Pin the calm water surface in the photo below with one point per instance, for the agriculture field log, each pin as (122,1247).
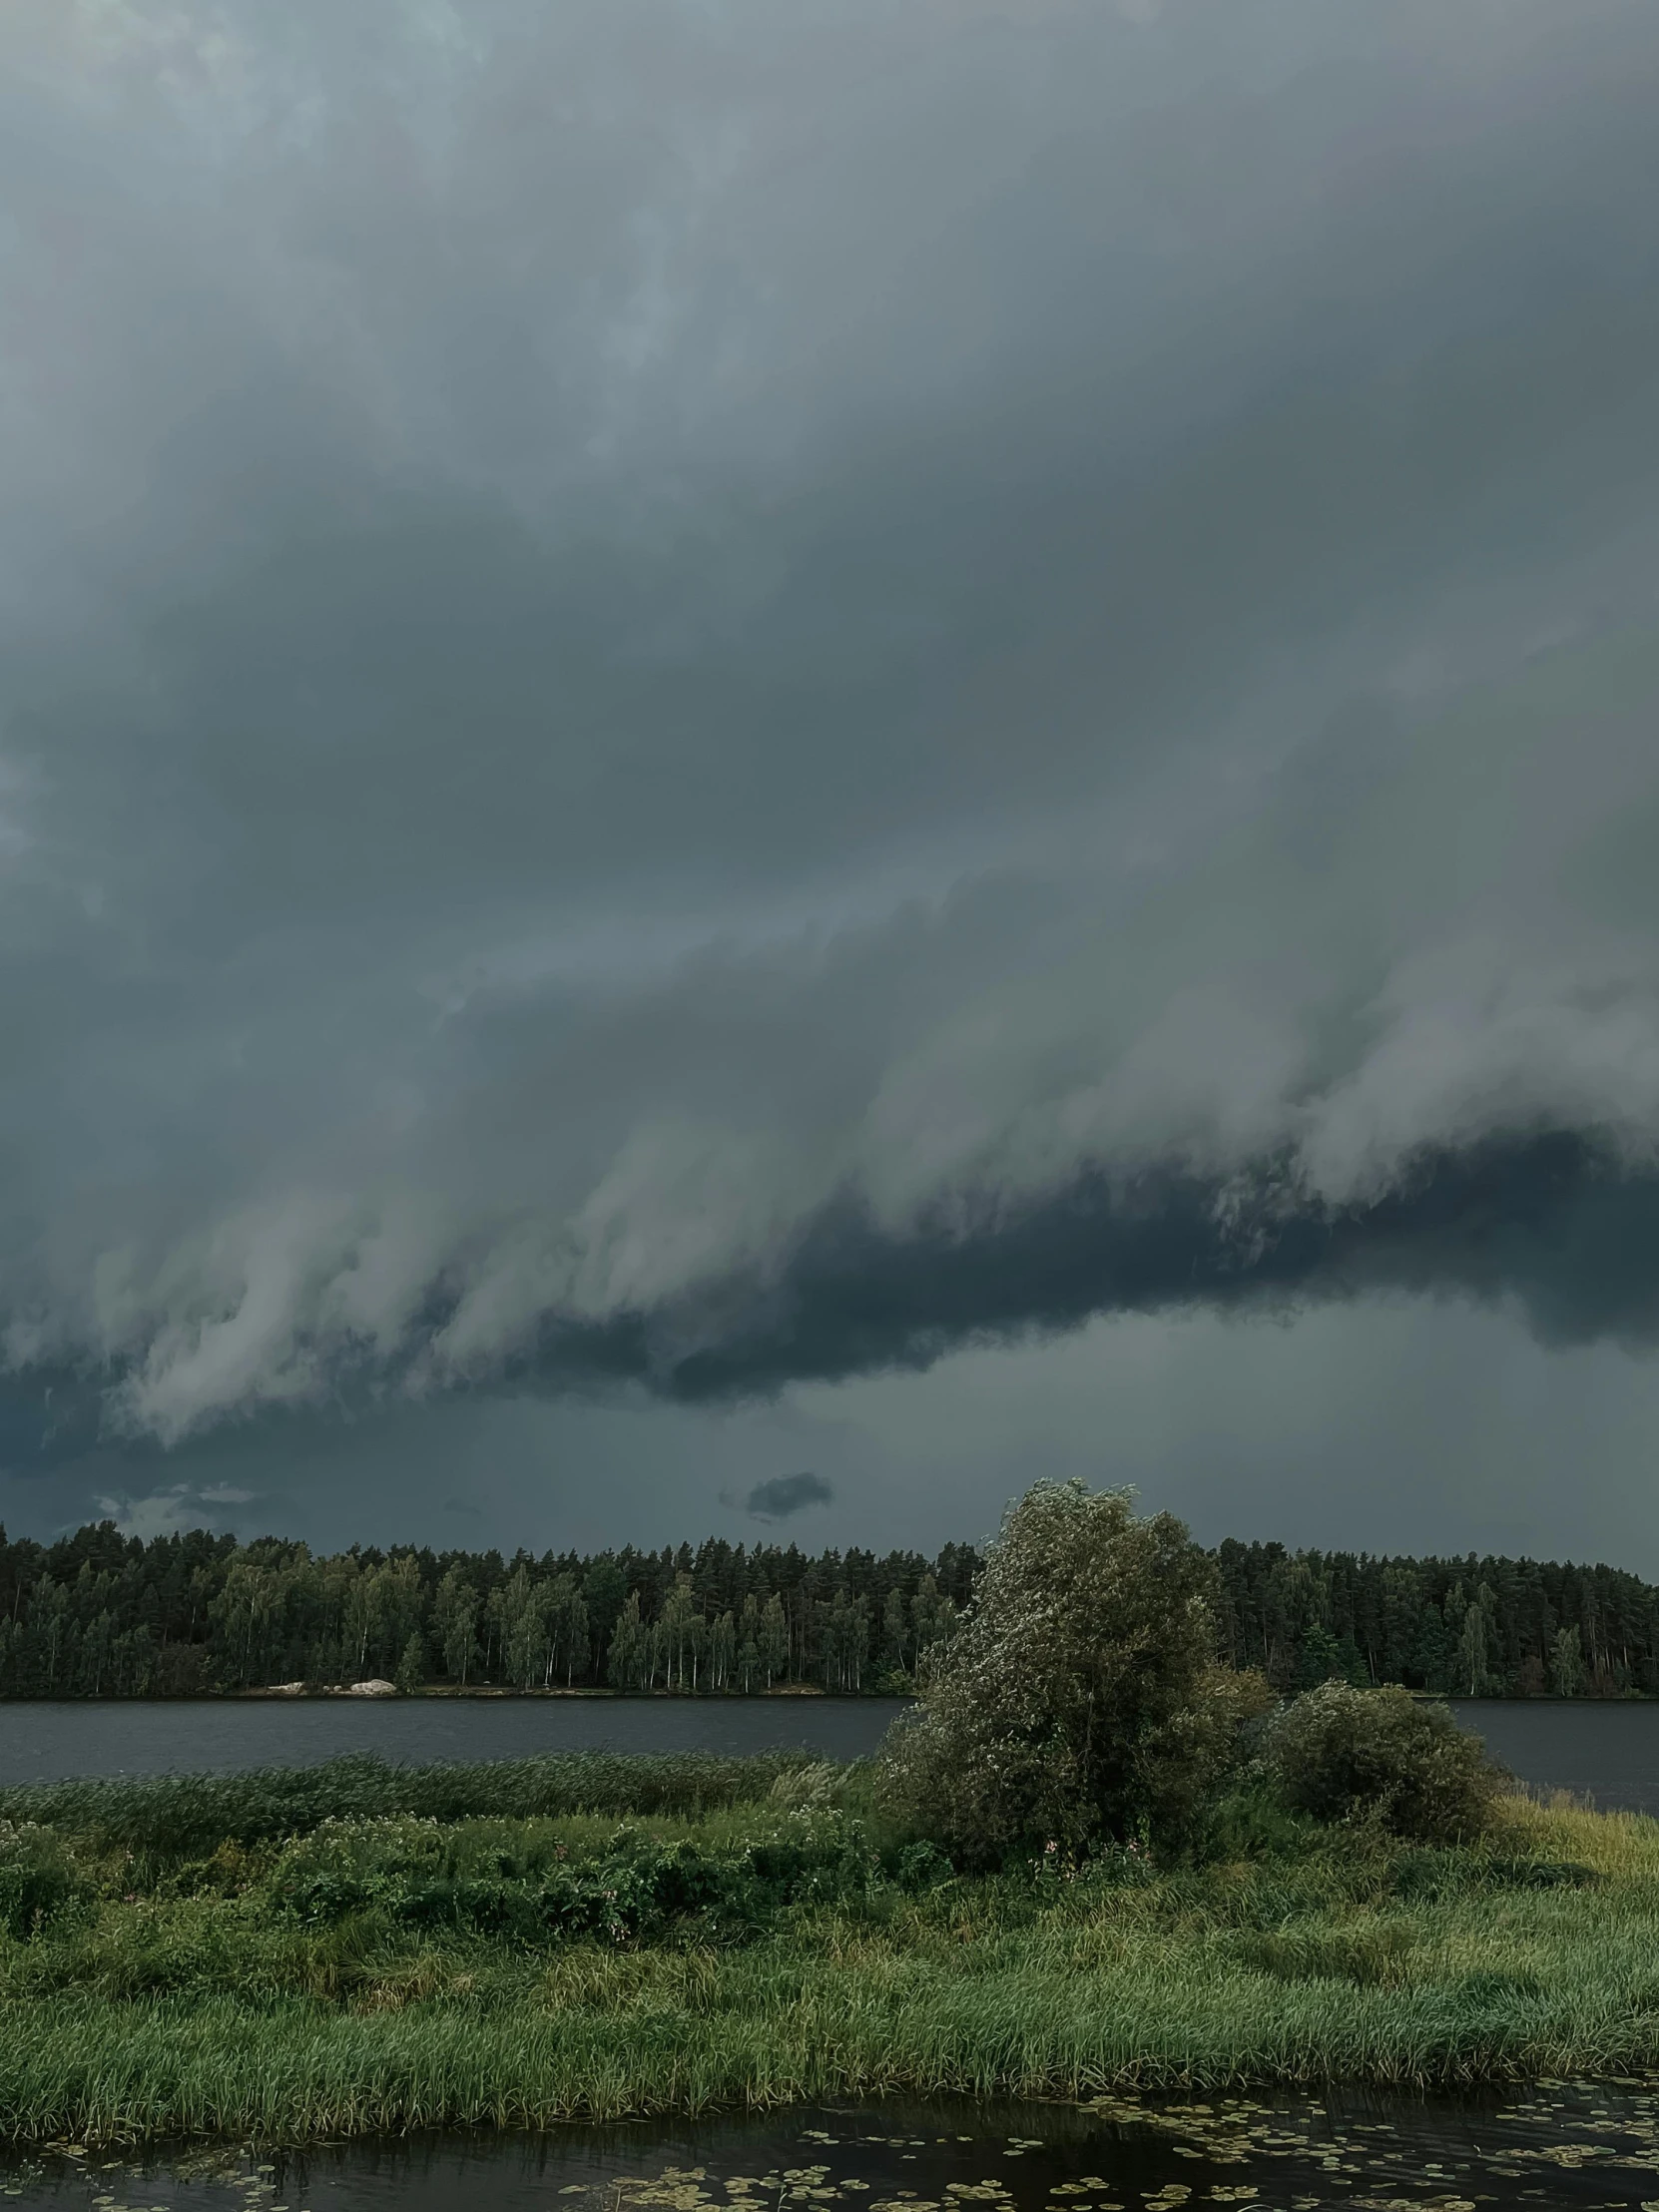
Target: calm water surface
(46,1742)
(1607,1751)
(1555,2144)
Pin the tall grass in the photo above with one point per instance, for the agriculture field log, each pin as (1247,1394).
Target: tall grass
(180,1814)
(215,2011)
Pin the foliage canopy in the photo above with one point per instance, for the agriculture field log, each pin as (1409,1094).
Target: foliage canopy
(1079,1701)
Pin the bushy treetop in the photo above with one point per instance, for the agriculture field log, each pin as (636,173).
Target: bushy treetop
(1079,1699)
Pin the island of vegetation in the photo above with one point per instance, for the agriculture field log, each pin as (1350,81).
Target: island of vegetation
(102,1614)
(1093,1859)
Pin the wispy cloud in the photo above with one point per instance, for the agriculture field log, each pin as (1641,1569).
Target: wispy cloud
(169,1511)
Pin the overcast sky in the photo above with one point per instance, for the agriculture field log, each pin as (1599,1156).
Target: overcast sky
(908,740)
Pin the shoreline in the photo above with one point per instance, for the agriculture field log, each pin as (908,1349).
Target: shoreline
(444,1692)
(488,1693)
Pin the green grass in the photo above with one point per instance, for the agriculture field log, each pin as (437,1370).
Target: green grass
(173,1813)
(391,1969)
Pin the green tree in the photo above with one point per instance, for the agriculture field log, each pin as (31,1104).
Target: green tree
(677,1631)
(1475,1639)
(1567,1662)
(933,1616)
(774,1640)
(604,1592)
(411,1666)
(722,1648)
(521,1606)
(1078,1700)
(52,1632)
(567,1624)
(895,1653)
(629,1647)
(455,1618)
(398,1605)
(1322,1657)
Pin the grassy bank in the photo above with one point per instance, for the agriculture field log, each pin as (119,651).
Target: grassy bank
(360,1948)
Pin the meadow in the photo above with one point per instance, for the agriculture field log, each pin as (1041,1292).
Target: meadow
(359,1948)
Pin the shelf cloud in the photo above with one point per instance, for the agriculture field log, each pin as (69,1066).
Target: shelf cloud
(696,702)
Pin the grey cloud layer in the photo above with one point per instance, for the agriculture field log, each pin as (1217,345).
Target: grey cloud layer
(707,697)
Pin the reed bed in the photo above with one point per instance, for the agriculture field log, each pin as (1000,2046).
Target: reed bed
(812,1962)
(178,1812)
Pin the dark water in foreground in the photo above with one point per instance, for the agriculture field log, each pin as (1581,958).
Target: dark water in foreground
(1555,2146)
(1609,1752)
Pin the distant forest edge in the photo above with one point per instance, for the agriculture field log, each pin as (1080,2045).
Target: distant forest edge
(100,1614)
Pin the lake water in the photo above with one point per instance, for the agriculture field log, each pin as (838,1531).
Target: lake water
(42,1742)
(1555,2144)
(1607,1751)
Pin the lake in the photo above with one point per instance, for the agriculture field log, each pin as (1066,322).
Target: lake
(1609,1752)
(48,1742)
(1555,2144)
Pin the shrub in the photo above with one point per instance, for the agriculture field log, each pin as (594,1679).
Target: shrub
(39,1879)
(1341,1753)
(633,1888)
(1078,1703)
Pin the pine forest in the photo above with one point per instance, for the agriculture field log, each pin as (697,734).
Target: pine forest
(103,1614)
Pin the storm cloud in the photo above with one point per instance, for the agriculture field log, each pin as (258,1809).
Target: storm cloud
(784,1494)
(705,699)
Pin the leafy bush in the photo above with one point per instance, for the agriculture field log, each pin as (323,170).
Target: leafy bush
(1341,1753)
(1079,1701)
(39,1879)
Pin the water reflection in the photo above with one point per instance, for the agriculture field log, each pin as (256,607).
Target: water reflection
(1559,2144)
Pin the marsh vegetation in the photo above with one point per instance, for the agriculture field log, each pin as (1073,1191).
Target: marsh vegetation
(1131,1870)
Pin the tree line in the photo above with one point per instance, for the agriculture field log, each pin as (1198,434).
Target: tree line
(100,1614)
(1470,1627)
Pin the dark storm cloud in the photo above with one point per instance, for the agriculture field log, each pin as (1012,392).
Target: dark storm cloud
(707,697)
(785,1495)
(1550,1221)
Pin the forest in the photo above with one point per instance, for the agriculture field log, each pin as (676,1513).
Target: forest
(103,1614)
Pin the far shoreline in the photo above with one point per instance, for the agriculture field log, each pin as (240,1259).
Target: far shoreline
(448,1693)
